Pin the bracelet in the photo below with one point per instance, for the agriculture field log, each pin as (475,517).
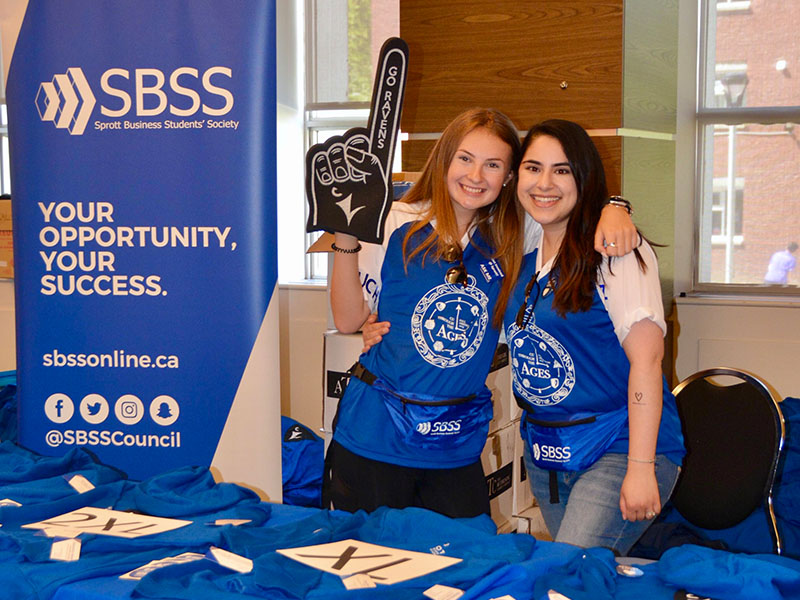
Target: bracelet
(641,460)
(336,248)
(622,203)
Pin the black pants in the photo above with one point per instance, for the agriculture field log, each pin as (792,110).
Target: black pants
(353,482)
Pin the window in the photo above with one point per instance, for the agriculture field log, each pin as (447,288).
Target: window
(748,142)
(344,38)
(721,210)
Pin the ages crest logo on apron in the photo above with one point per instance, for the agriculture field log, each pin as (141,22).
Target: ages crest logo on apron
(544,373)
(449,322)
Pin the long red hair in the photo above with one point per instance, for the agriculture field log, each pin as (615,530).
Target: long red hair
(500,223)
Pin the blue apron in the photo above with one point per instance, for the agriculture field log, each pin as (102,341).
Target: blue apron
(572,445)
(432,422)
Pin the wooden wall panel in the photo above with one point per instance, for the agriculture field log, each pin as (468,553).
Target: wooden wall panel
(415,153)
(513,56)
(610,149)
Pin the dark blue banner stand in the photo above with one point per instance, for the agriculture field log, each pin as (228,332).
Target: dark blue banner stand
(144,203)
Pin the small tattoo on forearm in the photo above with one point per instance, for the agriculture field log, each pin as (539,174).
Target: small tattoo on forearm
(638,396)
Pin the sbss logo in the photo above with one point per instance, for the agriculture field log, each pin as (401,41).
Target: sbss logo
(446,426)
(150,97)
(439,427)
(555,453)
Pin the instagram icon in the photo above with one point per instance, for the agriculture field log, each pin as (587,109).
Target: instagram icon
(128,409)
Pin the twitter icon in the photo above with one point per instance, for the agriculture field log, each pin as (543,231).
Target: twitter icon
(94,409)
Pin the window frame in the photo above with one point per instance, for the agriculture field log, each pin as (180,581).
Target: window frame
(721,183)
(321,116)
(730,117)
(340,119)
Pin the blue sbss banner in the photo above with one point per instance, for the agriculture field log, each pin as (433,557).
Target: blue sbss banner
(143,169)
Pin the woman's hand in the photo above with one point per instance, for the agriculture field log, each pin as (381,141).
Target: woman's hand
(373,331)
(616,234)
(639,499)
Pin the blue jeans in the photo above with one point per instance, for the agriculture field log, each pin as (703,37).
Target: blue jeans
(588,512)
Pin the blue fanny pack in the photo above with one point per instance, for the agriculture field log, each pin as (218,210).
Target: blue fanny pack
(572,445)
(433,422)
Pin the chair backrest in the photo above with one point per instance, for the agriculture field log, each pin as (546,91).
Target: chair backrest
(734,435)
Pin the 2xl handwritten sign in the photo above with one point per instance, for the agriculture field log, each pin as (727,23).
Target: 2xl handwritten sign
(349,177)
(102,521)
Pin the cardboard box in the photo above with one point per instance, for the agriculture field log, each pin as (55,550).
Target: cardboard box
(526,513)
(6,240)
(499,381)
(340,351)
(523,496)
(497,460)
(531,522)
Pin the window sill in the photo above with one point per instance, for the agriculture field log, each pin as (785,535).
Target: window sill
(739,299)
(304,284)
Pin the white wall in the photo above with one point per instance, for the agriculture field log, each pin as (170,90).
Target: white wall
(303,321)
(760,336)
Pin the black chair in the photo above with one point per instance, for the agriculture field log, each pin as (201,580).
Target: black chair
(734,435)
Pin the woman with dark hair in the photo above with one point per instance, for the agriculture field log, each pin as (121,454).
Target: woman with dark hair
(601,431)
(414,418)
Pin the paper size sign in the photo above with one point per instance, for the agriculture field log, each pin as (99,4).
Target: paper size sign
(384,565)
(102,521)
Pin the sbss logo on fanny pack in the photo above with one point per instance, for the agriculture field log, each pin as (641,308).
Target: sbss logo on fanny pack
(439,427)
(552,453)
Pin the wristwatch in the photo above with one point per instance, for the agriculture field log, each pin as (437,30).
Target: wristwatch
(621,202)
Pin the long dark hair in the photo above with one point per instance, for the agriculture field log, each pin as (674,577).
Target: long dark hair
(500,222)
(576,266)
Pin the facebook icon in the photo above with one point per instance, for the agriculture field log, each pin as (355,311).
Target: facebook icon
(59,408)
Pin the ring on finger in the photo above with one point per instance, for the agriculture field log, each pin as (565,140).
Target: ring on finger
(649,514)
